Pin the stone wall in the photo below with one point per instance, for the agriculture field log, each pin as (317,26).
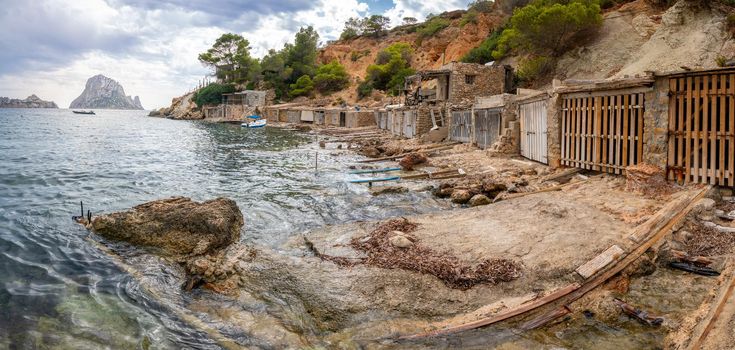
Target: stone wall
(487,80)
(553,115)
(357,119)
(656,124)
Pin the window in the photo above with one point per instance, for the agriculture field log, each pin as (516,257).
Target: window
(469,79)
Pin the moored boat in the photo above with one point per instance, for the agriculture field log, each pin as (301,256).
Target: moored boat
(257,122)
(84,112)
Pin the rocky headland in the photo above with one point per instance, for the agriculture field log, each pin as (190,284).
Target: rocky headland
(32,101)
(105,93)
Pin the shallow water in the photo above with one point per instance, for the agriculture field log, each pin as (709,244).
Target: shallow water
(59,291)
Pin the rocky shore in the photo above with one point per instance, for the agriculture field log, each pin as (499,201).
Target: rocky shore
(32,101)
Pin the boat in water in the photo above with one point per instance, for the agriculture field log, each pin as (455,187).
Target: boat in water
(256,122)
(84,112)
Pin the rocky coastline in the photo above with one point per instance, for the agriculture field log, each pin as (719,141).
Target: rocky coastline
(32,101)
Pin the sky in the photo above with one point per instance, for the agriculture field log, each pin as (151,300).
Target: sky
(51,47)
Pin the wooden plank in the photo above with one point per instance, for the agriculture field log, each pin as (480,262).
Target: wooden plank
(564,132)
(680,126)
(704,161)
(695,130)
(605,131)
(688,147)
(626,135)
(731,141)
(500,316)
(618,132)
(674,97)
(598,133)
(723,299)
(585,151)
(720,136)
(599,262)
(641,117)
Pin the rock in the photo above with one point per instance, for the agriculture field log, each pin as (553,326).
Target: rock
(370,152)
(376,191)
(490,186)
(32,101)
(444,191)
(726,192)
(703,205)
(392,150)
(399,240)
(322,144)
(461,196)
(682,236)
(175,227)
(479,199)
(411,160)
(103,92)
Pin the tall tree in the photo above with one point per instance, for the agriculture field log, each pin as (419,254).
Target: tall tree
(302,54)
(231,53)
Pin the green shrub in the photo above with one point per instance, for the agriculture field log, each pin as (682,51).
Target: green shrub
(302,87)
(484,53)
(331,77)
(549,28)
(391,67)
(534,67)
(481,6)
(212,94)
(357,55)
(364,89)
(469,17)
(431,27)
(721,60)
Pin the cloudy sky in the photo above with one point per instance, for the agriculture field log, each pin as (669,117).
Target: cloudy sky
(50,47)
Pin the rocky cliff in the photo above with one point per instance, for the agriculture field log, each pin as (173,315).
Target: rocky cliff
(30,102)
(103,92)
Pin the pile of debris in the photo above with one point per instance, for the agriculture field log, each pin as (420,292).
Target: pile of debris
(392,246)
(649,181)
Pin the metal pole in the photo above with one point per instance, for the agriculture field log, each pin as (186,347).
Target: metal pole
(316,161)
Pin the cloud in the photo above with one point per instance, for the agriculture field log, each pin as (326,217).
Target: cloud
(51,47)
(419,9)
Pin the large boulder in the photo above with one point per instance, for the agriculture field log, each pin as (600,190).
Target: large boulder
(411,160)
(175,227)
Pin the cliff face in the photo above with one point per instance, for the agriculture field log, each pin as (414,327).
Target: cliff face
(449,44)
(103,92)
(30,102)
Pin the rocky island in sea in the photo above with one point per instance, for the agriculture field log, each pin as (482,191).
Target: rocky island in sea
(103,92)
(32,101)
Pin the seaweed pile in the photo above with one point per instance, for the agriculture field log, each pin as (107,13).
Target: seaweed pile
(707,241)
(381,252)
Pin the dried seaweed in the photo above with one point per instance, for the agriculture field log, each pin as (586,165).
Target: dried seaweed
(648,180)
(707,241)
(419,258)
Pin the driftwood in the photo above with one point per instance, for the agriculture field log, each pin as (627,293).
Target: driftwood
(394,157)
(501,316)
(569,173)
(546,318)
(640,315)
(724,298)
(518,195)
(696,260)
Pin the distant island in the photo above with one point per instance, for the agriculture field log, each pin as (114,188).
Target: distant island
(105,93)
(32,101)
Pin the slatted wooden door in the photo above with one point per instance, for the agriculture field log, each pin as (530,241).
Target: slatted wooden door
(534,130)
(702,129)
(461,126)
(487,127)
(603,133)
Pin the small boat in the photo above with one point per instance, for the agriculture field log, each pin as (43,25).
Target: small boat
(256,123)
(84,112)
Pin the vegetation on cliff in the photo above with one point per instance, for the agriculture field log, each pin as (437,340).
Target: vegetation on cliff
(391,67)
(212,94)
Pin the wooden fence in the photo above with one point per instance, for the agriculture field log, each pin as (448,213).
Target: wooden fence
(604,132)
(702,129)
(460,126)
(487,127)
(534,130)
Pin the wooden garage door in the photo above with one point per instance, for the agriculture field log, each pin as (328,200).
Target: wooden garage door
(702,129)
(534,130)
(603,133)
(487,127)
(461,126)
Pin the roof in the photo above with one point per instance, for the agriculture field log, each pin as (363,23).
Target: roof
(700,71)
